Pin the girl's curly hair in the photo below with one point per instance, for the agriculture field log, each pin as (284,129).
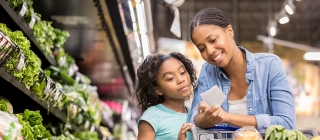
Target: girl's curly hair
(146,76)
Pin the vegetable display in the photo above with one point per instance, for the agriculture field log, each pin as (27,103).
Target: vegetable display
(277,132)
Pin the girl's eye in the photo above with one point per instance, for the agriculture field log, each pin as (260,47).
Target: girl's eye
(170,79)
(183,73)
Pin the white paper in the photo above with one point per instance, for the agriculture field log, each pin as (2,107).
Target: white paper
(213,96)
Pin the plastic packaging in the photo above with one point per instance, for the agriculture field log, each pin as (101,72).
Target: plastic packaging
(247,133)
(9,127)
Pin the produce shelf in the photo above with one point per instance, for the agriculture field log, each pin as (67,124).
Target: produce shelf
(10,86)
(10,79)
(9,17)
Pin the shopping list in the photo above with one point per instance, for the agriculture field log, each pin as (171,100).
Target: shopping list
(213,96)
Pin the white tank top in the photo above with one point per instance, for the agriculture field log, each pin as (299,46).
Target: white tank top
(238,106)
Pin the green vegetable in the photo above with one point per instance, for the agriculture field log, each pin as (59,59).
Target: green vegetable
(28,74)
(5,105)
(87,135)
(32,126)
(277,132)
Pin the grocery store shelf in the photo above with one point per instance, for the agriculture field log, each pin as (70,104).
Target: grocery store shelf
(55,111)
(20,102)
(9,17)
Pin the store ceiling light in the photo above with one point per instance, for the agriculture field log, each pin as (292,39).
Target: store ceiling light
(289,9)
(284,20)
(282,17)
(312,56)
(272,28)
(273,31)
(289,6)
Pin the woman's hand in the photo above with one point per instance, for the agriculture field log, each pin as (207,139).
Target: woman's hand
(215,115)
(182,133)
(202,107)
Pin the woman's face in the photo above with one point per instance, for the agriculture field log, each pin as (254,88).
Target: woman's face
(173,80)
(215,44)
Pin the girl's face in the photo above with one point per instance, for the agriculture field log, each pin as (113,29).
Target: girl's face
(215,44)
(173,80)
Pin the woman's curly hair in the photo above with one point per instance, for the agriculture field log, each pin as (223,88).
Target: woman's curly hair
(146,78)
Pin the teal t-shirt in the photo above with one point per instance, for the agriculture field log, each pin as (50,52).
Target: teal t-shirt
(165,122)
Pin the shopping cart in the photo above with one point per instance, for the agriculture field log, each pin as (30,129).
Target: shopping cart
(203,134)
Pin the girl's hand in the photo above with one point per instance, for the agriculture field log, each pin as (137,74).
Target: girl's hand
(215,114)
(202,107)
(185,127)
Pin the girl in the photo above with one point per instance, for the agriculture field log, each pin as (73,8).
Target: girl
(164,83)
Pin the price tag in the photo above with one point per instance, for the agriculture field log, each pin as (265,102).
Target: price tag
(33,20)
(47,89)
(86,125)
(92,129)
(62,60)
(21,62)
(57,94)
(23,9)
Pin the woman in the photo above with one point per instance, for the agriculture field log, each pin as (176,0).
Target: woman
(258,93)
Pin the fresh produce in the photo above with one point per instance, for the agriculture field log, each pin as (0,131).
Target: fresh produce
(247,133)
(39,86)
(5,105)
(9,127)
(316,138)
(30,62)
(277,132)
(87,135)
(32,126)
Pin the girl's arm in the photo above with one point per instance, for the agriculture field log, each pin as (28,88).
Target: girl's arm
(146,131)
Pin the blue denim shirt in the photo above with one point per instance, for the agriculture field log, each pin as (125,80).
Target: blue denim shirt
(269,97)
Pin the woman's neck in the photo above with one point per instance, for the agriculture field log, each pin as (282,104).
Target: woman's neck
(237,65)
(177,106)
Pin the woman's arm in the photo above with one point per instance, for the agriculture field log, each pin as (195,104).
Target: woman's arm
(216,115)
(281,99)
(146,131)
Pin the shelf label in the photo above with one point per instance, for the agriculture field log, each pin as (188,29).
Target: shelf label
(23,9)
(62,60)
(57,94)
(21,62)
(47,89)
(92,129)
(33,20)
(86,125)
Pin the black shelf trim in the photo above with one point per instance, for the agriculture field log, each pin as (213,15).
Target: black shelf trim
(22,26)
